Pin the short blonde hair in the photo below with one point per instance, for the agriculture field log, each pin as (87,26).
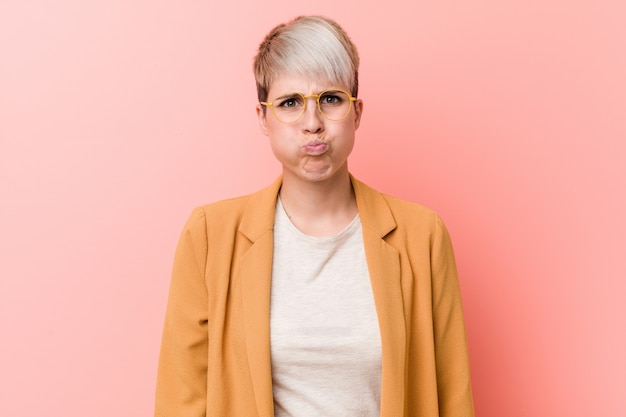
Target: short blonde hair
(308,45)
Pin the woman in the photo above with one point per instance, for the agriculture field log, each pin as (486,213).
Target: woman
(317,296)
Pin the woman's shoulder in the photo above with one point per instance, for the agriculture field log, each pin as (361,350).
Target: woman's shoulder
(411,208)
(400,208)
(415,218)
(226,206)
(231,212)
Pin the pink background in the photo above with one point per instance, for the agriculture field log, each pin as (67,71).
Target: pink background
(118,117)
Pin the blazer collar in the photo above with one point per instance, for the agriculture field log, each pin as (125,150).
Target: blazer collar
(373,210)
(258,218)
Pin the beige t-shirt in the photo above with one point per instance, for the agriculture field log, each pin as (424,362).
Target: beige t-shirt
(325,339)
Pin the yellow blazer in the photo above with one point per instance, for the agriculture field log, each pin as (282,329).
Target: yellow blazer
(215,353)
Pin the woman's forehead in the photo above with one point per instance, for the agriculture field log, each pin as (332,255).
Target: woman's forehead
(306,84)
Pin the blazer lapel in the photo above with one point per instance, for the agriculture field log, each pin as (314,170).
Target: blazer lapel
(255,279)
(383,262)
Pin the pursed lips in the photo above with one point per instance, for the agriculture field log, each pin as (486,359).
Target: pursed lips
(315,147)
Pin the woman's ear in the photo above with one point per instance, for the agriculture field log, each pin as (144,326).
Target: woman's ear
(358,110)
(261,114)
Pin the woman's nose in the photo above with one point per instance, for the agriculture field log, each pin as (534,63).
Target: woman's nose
(312,119)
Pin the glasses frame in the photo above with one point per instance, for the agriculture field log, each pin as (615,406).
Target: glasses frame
(317,100)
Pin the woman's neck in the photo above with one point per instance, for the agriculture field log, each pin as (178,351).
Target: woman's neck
(319,208)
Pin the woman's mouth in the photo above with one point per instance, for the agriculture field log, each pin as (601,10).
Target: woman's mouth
(315,148)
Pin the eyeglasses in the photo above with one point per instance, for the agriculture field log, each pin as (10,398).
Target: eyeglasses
(333,105)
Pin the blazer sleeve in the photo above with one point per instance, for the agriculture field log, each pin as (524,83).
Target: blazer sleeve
(451,354)
(182,371)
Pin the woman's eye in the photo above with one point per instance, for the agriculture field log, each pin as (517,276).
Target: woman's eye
(330,99)
(290,103)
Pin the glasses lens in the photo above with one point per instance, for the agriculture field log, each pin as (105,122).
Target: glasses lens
(334,104)
(289,108)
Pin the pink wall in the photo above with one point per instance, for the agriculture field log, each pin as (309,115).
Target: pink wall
(118,117)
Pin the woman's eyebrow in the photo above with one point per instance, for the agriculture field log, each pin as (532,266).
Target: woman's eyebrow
(288,95)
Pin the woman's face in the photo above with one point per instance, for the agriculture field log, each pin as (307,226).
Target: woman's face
(313,148)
